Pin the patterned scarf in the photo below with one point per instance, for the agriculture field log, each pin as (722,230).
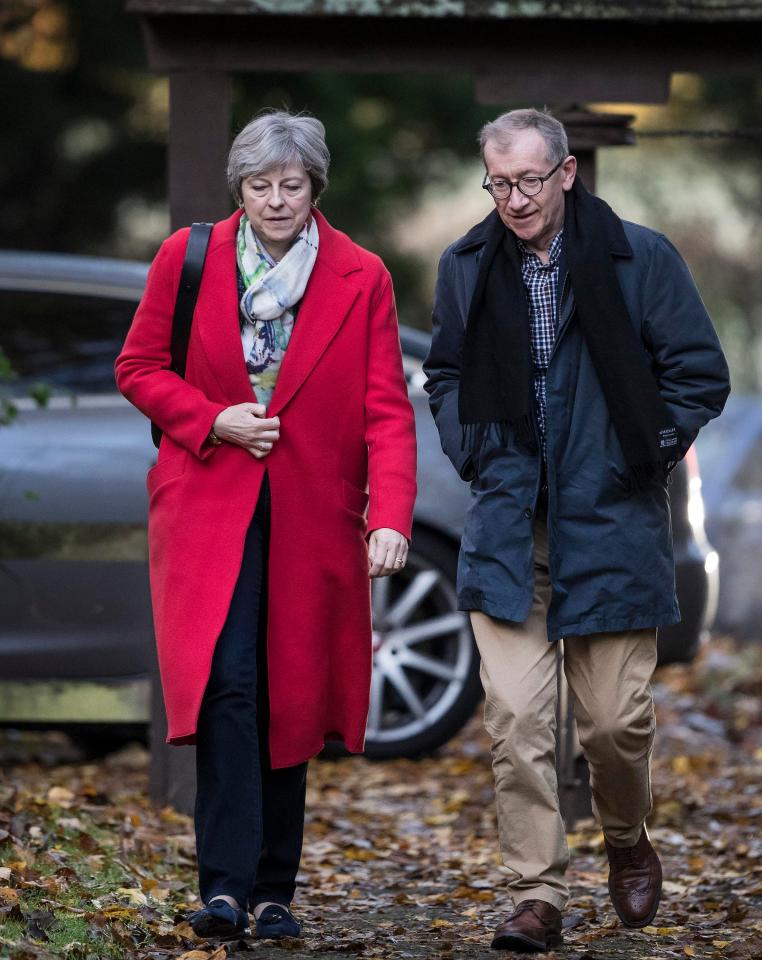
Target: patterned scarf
(271,291)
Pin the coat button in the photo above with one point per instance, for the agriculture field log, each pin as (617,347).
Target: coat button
(528,513)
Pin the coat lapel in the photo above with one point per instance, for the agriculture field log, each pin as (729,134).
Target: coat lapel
(216,314)
(331,291)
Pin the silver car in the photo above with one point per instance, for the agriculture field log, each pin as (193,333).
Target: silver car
(76,637)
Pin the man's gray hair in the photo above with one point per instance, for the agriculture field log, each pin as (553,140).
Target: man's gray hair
(501,131)
(277,139)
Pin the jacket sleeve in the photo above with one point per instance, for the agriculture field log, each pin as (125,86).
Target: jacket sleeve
(389,420)
(181,410)
(442,367)
(689,363)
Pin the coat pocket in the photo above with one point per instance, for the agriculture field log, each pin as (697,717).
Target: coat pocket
(165,470)
(354,498)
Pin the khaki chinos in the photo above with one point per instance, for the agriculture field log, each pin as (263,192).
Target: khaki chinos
(609,676)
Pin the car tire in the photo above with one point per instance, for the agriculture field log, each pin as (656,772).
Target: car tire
(425,665)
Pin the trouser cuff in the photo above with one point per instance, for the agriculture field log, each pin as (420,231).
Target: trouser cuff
(540,892)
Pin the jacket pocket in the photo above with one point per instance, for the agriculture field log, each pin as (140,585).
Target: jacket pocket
(164,470)
(354,498)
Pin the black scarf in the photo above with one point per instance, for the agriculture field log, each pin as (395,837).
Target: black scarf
(496,374)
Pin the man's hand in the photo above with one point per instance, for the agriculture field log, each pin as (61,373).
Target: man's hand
(387,552)
(245,425)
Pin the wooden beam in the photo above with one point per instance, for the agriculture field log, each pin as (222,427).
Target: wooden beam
(511,61)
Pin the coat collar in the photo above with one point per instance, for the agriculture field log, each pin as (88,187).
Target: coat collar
(476,237)
(331,292)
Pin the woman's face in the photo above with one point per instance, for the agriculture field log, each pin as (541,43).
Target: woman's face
(277,204)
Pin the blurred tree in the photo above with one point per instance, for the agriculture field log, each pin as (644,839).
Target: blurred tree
(74,81)
(83,169)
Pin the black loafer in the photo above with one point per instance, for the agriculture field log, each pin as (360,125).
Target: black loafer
(219,921)
(277,921)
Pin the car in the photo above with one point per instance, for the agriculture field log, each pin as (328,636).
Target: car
(76,636)
(731,459)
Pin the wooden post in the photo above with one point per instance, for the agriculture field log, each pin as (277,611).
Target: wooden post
(199,138)
(588,131)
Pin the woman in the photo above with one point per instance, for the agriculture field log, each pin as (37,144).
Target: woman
(293,402)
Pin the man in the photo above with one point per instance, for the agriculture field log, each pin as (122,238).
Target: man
(572,364)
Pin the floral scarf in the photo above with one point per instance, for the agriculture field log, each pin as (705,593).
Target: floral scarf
(270,292)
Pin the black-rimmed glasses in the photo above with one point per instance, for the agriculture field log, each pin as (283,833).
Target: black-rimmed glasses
(500,189)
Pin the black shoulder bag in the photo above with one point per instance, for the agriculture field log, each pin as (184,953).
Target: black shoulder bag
(185,304)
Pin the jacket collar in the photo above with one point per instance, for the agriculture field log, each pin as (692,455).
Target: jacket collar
(476,237)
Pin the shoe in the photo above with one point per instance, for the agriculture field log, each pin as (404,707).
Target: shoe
(635,881)
(533,927)
(277,921)
(219,921)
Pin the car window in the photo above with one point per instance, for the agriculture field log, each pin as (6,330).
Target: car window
(67,341)
(749,475)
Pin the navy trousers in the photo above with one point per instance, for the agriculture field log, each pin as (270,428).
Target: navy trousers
(249,818)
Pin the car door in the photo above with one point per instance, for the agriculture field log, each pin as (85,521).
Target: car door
(74,598)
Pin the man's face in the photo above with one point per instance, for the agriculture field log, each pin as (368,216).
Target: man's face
(535,220)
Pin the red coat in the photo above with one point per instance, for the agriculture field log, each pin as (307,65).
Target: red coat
(346,426)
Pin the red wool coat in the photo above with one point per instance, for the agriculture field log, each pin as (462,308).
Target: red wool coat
(346,427)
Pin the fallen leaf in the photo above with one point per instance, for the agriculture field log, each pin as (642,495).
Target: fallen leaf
(133,895)
(60,797)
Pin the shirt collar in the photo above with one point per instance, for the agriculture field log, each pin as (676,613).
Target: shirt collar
(554,252)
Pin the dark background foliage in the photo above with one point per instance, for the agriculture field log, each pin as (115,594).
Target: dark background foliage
(82,159)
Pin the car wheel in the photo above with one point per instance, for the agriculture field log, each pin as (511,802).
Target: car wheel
(425,683)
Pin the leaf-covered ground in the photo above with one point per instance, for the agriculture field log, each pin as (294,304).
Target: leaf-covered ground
(400,858)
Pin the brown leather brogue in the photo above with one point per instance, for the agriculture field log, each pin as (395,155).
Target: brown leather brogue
(634,881)
(533,927)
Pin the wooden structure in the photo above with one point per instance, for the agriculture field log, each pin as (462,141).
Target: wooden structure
(518,51)
(528,52)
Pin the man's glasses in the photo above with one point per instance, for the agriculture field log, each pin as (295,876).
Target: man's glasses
(500,189)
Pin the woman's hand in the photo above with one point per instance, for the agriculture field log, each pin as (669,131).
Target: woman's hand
(387,552)
(245,425)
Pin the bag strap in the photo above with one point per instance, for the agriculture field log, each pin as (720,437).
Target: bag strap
(185,304)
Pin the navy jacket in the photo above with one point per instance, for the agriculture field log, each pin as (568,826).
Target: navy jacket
(610,544)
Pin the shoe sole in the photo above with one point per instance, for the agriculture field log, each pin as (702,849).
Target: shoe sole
(521,944)
(277,934)
(214,930)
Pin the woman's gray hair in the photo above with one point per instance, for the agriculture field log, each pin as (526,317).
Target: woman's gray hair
(552,131)
(277,139)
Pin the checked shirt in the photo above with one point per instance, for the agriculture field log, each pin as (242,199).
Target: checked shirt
(541,282)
